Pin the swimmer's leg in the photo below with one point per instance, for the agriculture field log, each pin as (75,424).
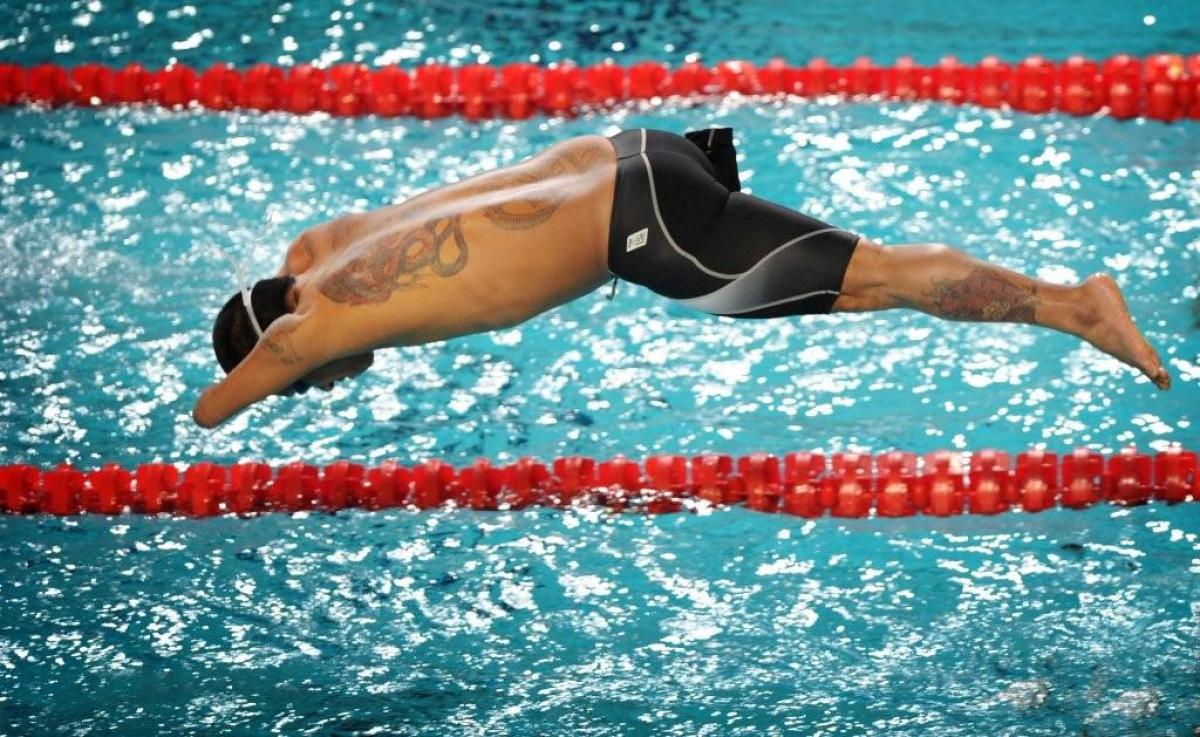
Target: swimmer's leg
(948,283)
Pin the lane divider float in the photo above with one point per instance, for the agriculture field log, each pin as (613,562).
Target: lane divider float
(804,484)
(1164,87)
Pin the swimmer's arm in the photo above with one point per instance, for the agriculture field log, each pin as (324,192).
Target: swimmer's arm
(289,350)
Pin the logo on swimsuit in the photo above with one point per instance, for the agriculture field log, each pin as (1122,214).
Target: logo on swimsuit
(637,240)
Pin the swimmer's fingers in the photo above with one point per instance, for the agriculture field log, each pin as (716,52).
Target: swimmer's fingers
(289,350)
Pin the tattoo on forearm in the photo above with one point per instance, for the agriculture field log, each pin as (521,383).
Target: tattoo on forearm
(280,345)
(984,295)
(523,214)
(437,246)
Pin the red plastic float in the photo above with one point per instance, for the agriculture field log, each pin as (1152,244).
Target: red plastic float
(1035,486)
(525,484)
(1123,86)
(341,485)
(620,479)
(990,488)
(575,479)
(779,77)
(1127,478)
(174,87)
(220,86)
(1033,89)
(477,89)
(108,490)
(433,91)
(853,485)
(261,88)
(518,90)
(951,81)
(294,488)
(1082,478)
(1081,88)
(849,492)
(993,78)
(62,491)
(802,474)
(1175,475)
(864,78)
(248,484)
(711,478)
(1166,90)
(349,88)
(306,89)
(560,85)
(387,486)
(1191,87)
(603,84)
(896,484)
(667,482)
(13,84)
(905,80)
(91,84)
(48,84)
(480,485)
(389,92)
(1164,87)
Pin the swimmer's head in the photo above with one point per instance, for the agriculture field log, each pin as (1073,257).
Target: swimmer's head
(233,334)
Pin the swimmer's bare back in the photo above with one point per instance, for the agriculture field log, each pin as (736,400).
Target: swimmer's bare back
(478,255)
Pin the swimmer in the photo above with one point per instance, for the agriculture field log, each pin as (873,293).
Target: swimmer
(650,207)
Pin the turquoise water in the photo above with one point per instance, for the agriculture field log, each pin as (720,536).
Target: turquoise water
(111,281)
(584,623)
(578,622)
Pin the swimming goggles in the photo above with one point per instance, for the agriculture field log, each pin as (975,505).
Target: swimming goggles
(240,270)
(298,387)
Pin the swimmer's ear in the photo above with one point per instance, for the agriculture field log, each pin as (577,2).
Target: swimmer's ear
(289,349)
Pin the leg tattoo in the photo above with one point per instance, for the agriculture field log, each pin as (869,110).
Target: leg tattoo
(984,295)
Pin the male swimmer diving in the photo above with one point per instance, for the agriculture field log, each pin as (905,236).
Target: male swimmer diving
(647,206)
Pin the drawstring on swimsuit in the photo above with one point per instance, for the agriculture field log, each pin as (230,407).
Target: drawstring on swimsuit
(613,292)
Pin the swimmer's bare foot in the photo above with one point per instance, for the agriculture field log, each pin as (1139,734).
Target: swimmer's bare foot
(1106,324)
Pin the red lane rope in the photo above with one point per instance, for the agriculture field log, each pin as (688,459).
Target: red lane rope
(891,484)
(1162,86)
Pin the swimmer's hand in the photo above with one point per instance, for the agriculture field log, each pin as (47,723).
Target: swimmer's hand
(288,351)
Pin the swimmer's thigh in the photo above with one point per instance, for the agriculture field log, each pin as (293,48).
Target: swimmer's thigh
(787,263)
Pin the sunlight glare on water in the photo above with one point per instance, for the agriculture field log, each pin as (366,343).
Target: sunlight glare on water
(581,622)
(113,275)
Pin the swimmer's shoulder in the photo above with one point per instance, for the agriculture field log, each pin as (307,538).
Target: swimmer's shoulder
(317,244)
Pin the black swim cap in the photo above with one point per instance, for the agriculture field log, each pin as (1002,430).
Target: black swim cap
(233,334)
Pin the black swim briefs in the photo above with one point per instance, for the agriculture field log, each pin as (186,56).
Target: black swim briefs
(680,228)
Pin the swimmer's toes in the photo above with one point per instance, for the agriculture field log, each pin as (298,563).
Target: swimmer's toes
(1147,361)
(1154,368)
(1162,379)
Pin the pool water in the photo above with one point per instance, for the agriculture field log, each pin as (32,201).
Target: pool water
(586,623)
(580,622)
